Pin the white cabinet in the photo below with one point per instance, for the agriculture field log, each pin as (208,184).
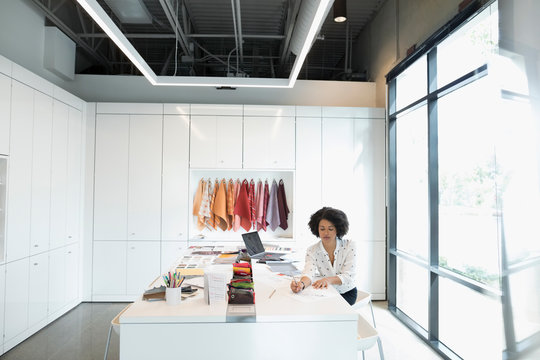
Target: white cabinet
(111,177)
(308,175)
(74,183)
(71,274)
(3,194)
(16,308)
(57,286)
(142,265)
(127,198)
(269,142)
(174,197)
(20,172)
(41,174)
(2,303)
(59,174)
(170,252)
(109,268)
(369,179)
(5,113)
(338,164)
(144,181)
(216,141)
(38,292)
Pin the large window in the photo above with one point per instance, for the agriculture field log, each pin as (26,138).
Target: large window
(464,196)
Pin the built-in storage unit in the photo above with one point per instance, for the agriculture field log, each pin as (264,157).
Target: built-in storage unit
(42,139)
(325,157)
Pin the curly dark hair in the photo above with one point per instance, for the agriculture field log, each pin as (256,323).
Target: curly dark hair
(335,216)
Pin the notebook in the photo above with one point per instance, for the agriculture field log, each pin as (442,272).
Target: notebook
(255,247)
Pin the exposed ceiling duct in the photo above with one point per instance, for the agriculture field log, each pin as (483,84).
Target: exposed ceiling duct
(303,22)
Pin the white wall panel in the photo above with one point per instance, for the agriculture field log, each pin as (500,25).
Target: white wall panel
(5,113)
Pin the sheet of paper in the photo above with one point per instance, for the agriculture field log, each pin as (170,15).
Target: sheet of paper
(311,294)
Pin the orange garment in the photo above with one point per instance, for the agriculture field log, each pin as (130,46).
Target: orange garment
(242,212)
(230,204)
(197,199)
(220,206)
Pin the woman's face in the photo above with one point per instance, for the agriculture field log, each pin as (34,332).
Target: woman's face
(327,231)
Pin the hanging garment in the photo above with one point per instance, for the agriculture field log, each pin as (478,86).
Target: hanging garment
(265,205)
(212,220)
(220,206)
(251,202)
(230,204)
(241,209)
(204,210)
(197,200)
(237,187)
(272,214)
(282,206)
(259,203)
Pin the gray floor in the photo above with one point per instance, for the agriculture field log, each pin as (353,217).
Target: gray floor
(81,334)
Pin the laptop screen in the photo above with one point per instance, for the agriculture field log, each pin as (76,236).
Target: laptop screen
(253,243)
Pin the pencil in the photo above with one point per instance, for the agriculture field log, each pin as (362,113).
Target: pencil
(272,293)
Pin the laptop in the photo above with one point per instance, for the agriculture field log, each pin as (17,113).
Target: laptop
(255,247)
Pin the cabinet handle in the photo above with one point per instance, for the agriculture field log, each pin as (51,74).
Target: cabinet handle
(36,245)
(69,252)
(133,248)
(221,161)
(275,161)
(132,233)
(69,237)
(36,264)
(179,234)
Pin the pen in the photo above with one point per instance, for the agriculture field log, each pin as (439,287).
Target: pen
(272,293)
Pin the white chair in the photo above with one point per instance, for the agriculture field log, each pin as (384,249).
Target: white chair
(367,334)
(115,325)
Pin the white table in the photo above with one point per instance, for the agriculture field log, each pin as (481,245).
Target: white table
(285,327)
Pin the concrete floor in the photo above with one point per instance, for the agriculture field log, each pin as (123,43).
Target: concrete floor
(81,334)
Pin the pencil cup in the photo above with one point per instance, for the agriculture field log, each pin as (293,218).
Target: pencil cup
(173,296)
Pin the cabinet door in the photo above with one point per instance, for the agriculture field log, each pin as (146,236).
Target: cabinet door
(41,174)
(16,313)
(142,265)
(269,142)
(109,268)
(74,175)
(38,292)
(216,142)
(369,179)
(2,303)
(170,252)
(20,172)
(71,278)
(111,177)
(57,286)
(5,113)
(59,174)
(174,198)
(337,164)
(144,184)
(308,175)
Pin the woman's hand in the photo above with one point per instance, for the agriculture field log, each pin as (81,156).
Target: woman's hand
(296,286)
(321,283)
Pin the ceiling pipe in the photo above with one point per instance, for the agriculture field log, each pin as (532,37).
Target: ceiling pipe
(239,31)
(173,21)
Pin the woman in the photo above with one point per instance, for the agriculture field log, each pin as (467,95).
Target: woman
(333,257)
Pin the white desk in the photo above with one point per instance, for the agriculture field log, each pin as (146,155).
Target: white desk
(285,327)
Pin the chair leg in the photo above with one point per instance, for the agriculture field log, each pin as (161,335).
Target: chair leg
(379,343)
(372,315)
(108,342)
(363,355)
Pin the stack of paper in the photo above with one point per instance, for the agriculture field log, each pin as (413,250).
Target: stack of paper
(215,286)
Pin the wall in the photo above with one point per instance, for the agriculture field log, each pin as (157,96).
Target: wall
(23,18)
(399,25)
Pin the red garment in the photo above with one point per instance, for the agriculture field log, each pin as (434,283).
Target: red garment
(282,206)
(251,202)
(265,206)
(241,209)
